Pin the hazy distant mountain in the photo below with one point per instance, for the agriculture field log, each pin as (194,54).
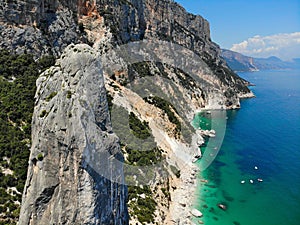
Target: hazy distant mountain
(240,62)
(237,61)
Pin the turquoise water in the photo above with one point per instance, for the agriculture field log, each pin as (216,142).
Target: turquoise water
(265,133)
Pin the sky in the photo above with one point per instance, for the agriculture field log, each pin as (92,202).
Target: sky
(258,28)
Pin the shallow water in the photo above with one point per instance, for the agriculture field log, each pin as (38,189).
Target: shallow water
(264,133)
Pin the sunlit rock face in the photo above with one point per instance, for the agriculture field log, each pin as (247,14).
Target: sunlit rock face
(70,178)
(71,127)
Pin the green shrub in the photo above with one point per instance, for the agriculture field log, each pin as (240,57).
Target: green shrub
(141,68)
(69,94)
(52,95)
(17,103)
(46,62)
(143,158)
(168,108)
(40,156)
(166,192)
(142,208)
(43,113)
(139,129)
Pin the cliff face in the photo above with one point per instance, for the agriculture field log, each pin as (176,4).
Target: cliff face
(48,26)
(72,136)
(71,126)
(38,26)
(168,21)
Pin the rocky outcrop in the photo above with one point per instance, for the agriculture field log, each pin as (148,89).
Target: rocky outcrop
(73,142)
(39,26)
(168,21)
(177,79)
(71,177)
(48,26)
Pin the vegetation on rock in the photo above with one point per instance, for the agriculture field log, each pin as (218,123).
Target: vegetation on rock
(18,74)
(140,151)
(167,108)
(139,129)
(141,204)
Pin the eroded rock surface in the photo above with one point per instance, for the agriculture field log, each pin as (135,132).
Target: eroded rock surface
(71,126)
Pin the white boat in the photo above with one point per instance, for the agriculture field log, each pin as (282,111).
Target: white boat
(212,135)
(222,206)
(195,160)
(196,213)
(199,153)
(260,180)
(242,182)
(251,181)
(196,157)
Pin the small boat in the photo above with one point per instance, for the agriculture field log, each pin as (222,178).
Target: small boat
(251,181)
(204,181)
(260,180)
(195,160)
(196,213)
(255,167)
(242,182)
(222,206)
(197,156)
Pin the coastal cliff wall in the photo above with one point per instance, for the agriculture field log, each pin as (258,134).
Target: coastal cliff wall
(71,115)
(48,26)
(39,26)
(70,126)
(168,21)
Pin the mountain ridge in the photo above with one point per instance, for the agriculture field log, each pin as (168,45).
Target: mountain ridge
(239,62)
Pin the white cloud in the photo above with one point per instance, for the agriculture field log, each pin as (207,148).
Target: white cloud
(285,46)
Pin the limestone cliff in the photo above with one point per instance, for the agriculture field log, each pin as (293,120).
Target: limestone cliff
(71,125)
(39,26)
(48,26)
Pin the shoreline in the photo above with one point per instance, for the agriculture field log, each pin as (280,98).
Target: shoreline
(246,201)
(216,131)
(183,196)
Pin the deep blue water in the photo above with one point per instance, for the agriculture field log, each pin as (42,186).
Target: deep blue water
(264,133)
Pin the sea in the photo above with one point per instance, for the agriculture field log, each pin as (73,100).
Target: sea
(261,141)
